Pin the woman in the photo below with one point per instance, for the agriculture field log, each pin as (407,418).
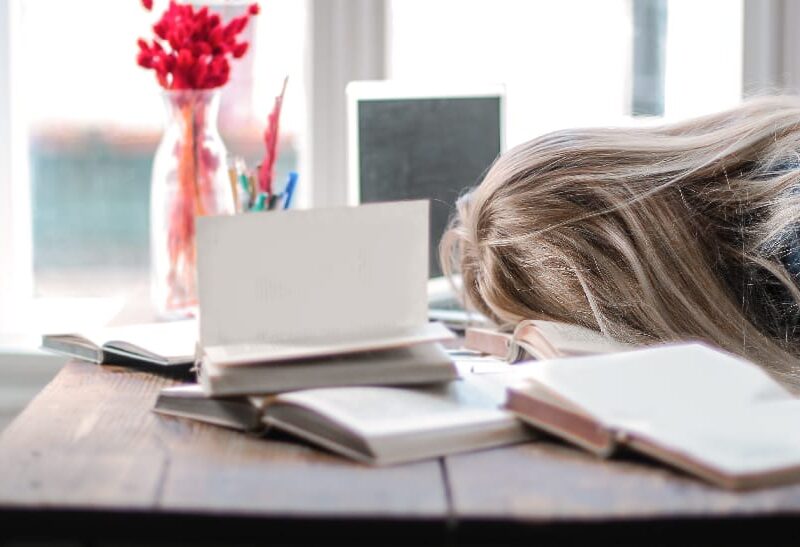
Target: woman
(685,231)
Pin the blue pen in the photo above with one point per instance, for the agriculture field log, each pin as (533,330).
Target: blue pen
(289,191)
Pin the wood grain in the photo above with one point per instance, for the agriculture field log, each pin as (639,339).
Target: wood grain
(90,440)
(551,482)
(89,443)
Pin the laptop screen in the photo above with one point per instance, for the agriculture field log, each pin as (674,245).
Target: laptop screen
(426,148)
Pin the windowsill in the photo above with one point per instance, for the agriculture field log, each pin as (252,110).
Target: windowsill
(41,315)
(24,355)
(21,333)
(23,322)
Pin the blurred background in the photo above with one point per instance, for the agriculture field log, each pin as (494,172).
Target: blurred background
(80,121)
(90,119)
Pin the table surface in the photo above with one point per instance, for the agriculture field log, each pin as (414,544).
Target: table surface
(89,457)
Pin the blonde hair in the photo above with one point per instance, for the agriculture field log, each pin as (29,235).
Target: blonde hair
(647,234)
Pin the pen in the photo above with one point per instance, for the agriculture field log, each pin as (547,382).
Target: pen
(289,191)
(247,197)
(259,202)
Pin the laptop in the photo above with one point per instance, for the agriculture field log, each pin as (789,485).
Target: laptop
(419,141)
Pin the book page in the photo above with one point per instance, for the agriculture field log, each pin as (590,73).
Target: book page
(317,275)
(551,339)
(257,354)
(750,439)
(184,391)
(167,339)
(387,411)
(669,382)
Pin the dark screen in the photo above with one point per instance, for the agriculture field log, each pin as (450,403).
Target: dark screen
(426,149)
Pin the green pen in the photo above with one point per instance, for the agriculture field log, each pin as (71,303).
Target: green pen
(248,196)
(261,199)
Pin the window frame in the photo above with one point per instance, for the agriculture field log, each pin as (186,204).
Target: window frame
(348,42)
(16,253)
(770,55)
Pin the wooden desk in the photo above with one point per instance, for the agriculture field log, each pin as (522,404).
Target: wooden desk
(89,461)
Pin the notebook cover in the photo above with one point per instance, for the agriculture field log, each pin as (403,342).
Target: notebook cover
(574,427)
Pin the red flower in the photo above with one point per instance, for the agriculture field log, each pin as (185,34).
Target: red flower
(192,48)
(148,4)
(239,50)
(143,59)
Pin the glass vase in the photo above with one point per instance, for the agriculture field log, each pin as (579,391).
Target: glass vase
(190,179)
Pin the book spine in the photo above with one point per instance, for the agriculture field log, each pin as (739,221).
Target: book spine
(494,343)
(574,428)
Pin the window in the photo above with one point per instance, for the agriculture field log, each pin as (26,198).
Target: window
(574,62)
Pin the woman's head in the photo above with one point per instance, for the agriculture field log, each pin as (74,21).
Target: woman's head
(654,234)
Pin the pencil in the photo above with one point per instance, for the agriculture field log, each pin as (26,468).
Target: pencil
(232,176)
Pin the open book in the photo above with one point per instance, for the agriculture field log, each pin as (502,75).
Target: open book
(538,339)
(160,347)
(378,425)
(695,408)
(340,298)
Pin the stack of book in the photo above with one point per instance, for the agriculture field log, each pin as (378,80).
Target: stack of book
(323,333)
(315,323)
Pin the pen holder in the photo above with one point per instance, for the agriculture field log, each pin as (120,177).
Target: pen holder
(190,179)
